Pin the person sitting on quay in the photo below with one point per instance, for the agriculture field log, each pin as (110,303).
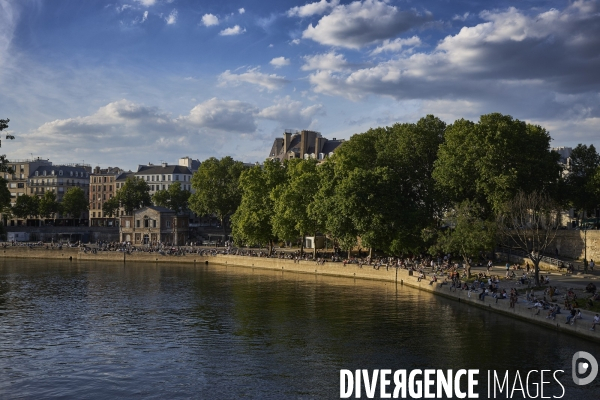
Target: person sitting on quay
(433,279)
(595,322)
(571,315)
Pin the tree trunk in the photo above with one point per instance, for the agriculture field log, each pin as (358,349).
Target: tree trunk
(302,246)
(270,247)
(468,265)
(536,268)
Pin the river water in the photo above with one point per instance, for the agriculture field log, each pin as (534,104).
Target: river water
(108,330)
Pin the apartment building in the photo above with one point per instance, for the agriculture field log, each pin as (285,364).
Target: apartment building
(103,186)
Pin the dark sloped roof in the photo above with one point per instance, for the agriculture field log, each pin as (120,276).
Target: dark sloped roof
(64,168)
(123,176)
(330,146)
(158,208)
(159,169)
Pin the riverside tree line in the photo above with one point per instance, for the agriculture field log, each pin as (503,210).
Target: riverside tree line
(410,188)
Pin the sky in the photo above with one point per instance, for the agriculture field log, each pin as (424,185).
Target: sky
(128,82)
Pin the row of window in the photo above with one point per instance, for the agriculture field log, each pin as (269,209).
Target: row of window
(60,173)
(101,179)
(101,188)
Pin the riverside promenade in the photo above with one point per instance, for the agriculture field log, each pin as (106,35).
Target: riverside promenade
(523,309)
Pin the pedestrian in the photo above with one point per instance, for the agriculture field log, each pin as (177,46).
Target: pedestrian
(596,322)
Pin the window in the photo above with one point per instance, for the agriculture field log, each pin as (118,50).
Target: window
(168,177)
(137,223)
(44,173)
(152,178)
(146,223)
(163,177)
(13,185)
(176,177)
(93,188)
(60,172)
(93,215)
(127,224)
(154,223)
(168,224)
(36,173)
(21,185)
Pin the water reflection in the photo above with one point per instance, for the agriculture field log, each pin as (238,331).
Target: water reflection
(99,330)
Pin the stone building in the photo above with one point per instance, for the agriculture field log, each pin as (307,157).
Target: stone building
(154,226)
(102,188)
(160,177)
(304,144)
(18,181)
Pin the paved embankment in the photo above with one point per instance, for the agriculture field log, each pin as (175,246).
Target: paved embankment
(521,310)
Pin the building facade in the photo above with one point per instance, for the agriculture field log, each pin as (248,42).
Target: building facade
(303,144)
(154,226)
(103,186)
(161,177)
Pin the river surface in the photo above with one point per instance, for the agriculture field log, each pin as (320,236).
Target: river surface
(107,330)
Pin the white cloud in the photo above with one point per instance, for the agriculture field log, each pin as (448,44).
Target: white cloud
(224,115)
(235,30)
(8,22)
(292,114)
(172,18)
(362,23)
(147,3)
(242,10)
(328,61)
(295,41)
(461,17)
(145,16)
(279,62)
(316,8)
(210,20)
(254,76)
(550,51)
(397,45)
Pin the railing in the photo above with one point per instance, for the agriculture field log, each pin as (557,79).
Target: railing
(523,254)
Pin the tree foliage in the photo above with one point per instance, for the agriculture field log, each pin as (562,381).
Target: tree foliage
(581,181)
(3,161)
(379,187)
(174,198)
(48,206)
(217,188)
(468,235)
(493,159)
(26,207)
(529,222)
(110,206)
(134,194)
(252,221)
(291,200)
(74,202)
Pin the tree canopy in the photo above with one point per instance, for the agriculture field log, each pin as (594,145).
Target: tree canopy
(252,221)
(133,195)
(174,198)
(216,183)
(74,202)
(48,205)
(493,159)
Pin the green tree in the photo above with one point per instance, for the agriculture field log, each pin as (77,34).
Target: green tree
(580,181)
(26,207)
(469,234)
(380,187)
(529,221)
(74,202)
(133,195)
(291,199)
(251,223)
(491,160)
(5,197)
(217,188)
(48,205)
(174,198)
(3,162)
(110,206)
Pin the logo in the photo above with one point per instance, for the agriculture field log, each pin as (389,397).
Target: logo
(580,368)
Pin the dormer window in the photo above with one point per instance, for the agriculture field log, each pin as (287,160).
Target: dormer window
(44,173)
(52,172)
(60,172)
(37,173)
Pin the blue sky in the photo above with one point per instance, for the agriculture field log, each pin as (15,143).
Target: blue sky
(127,82)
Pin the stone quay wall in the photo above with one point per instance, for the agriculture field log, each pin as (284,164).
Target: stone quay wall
(399,276)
